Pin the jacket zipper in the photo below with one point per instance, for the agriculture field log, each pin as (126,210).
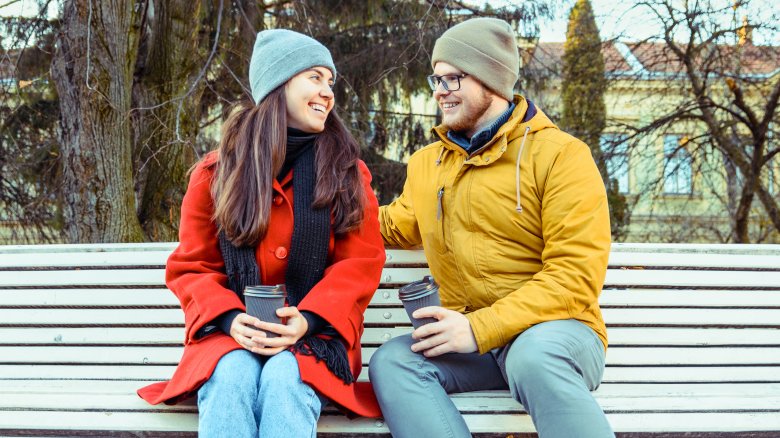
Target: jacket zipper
(439,197)
(440,219)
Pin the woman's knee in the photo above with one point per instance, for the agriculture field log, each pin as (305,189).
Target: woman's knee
(237,375)
(280,370)
(237,367)
(281,384)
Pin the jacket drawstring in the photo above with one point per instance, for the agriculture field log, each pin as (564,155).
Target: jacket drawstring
(519,207)
(438,160)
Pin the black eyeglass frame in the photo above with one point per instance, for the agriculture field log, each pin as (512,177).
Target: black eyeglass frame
(435,80)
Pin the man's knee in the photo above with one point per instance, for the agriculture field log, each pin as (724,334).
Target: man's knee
(393,357)
(537,359)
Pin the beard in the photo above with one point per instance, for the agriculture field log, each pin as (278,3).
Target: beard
(471,112)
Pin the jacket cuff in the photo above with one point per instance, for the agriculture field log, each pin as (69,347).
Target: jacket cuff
(225,320)
(486,329)
(316,322)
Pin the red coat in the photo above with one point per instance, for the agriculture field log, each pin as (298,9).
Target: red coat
(196,274)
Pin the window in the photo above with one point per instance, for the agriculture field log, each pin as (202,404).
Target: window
(678,166)
(615,150)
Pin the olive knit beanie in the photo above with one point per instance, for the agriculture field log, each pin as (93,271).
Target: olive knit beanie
(280,54)
(484,48)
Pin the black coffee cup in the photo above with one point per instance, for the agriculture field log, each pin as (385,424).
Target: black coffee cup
(262,302)
(419,294)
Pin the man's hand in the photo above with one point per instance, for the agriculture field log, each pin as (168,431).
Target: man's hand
(450,334)
(243,330)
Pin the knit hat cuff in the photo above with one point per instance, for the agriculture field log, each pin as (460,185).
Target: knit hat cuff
(318,56)
(475,62)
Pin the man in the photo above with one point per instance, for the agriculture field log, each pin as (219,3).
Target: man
(512,215)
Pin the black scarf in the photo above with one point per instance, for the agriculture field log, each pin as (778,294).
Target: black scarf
(307,262)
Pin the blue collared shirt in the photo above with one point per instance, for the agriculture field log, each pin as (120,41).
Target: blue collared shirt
(482,137)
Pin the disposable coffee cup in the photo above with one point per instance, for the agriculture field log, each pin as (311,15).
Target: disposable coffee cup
(262,302)
(419,294)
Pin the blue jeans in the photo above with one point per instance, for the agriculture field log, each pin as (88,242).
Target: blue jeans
(249,396)
(550,368)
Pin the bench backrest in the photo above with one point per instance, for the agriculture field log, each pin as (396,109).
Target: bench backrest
(676,313)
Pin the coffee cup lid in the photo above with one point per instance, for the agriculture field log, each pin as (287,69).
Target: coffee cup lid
(265,291)
(418,289)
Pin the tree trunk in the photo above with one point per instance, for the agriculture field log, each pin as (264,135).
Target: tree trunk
(770,206)
(742,215)
(169,102)
(732,189)
(93,73)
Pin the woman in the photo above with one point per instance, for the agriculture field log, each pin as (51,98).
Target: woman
(284,199)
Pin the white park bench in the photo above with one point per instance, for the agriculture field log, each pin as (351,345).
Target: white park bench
(694,343)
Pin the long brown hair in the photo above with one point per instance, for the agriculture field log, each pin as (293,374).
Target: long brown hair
(251,153)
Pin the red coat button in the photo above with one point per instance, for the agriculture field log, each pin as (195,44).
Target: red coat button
(281,253)
(278,200)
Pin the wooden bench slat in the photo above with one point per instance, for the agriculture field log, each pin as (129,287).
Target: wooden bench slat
(63,316)
(124,297)
(695,279)
(612,374)
(390,316)
(121,396)
(691,374)
(91,335)
(638,297)
(653,255)
(694,356)
(138,336)
(708,261)
(674,336)
(79,248)
(60,372)
(335,424)
(693,317)
(170,355)
(100,421)
(143,277)
(615,278)
(617,247)
(97,277)
(670,356)
(700,422)
(88,297)
(671,336)
(389,297)
(640,390)
(84,260)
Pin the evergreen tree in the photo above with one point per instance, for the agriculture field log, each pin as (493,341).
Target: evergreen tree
(582,88)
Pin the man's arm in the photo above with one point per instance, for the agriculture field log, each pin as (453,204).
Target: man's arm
(397,221)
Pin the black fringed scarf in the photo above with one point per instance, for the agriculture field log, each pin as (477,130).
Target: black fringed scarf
(307,263)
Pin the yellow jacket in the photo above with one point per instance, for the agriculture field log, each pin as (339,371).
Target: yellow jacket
(507,261)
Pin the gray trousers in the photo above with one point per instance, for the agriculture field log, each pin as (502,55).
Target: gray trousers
(550,368)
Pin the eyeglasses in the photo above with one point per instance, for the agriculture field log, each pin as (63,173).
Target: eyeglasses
(449,82)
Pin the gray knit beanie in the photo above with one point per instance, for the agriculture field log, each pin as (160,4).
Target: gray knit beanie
(280,54)
(484,48)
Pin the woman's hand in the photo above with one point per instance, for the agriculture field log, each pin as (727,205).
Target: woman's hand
(244,331)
